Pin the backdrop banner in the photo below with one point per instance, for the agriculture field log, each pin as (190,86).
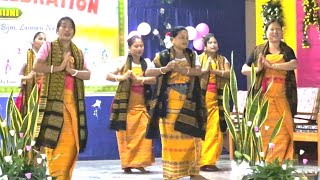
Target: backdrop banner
(97,33)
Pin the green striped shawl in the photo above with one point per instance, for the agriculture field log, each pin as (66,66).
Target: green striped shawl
(27,85)
(118,120)
(51,102)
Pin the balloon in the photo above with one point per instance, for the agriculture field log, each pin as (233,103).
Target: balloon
(144,28)
(198,44)
(203,29)
(133,33)
(192,32)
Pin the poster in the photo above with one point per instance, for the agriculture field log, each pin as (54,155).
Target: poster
(97,34)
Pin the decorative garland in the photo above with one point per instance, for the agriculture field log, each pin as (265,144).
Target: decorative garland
(311,17)
(164,20)
(271,10)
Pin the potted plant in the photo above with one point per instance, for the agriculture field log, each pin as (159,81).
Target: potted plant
(19,159)
(245,128)
(273,170)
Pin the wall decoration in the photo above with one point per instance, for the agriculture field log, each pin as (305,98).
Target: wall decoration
(271,10)
(308,68)
(311,12)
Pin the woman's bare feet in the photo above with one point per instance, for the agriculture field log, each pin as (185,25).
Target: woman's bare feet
(209,168)
(127,170)
(142,170)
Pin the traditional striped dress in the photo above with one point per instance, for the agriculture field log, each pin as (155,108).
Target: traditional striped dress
(278,104)
(134,149)
(180,152)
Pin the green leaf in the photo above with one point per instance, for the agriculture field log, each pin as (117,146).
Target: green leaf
(233,84)
(263,113)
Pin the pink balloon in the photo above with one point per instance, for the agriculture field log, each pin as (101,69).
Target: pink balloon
(203,29)
(198,44)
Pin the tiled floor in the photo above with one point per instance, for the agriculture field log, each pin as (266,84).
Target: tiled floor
(110,169)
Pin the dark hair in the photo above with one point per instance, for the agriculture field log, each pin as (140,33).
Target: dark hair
(131,40)
(37,34)
(207,37)
(175,30)
(66,19)
(272,21)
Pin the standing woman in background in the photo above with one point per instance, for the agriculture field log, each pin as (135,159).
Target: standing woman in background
(215,74)
(274,63)
(129,116)
(62,103)
(27,76)
(178,105)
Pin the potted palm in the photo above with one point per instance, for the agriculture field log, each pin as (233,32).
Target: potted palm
(19,159)
(245,127)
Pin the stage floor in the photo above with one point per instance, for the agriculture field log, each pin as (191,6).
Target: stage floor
(110,169)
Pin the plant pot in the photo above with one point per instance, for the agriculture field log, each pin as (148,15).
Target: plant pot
(239,171)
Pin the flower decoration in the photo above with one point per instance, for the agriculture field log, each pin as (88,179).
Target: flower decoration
(246,131)
(43,156)
(18,158)
(155,32)
(12,132)
(167,41)
(271,10)
(28,175)
(161,11)
(311,17)
(8,159)
(271,146)
(266,128)
(20,151)
(284,166)
(258,134)
(164,21)
(304,161)
(3,124)
(28,148)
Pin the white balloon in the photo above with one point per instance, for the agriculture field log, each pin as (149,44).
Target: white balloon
(144,28)
(192,32)
(133,33)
